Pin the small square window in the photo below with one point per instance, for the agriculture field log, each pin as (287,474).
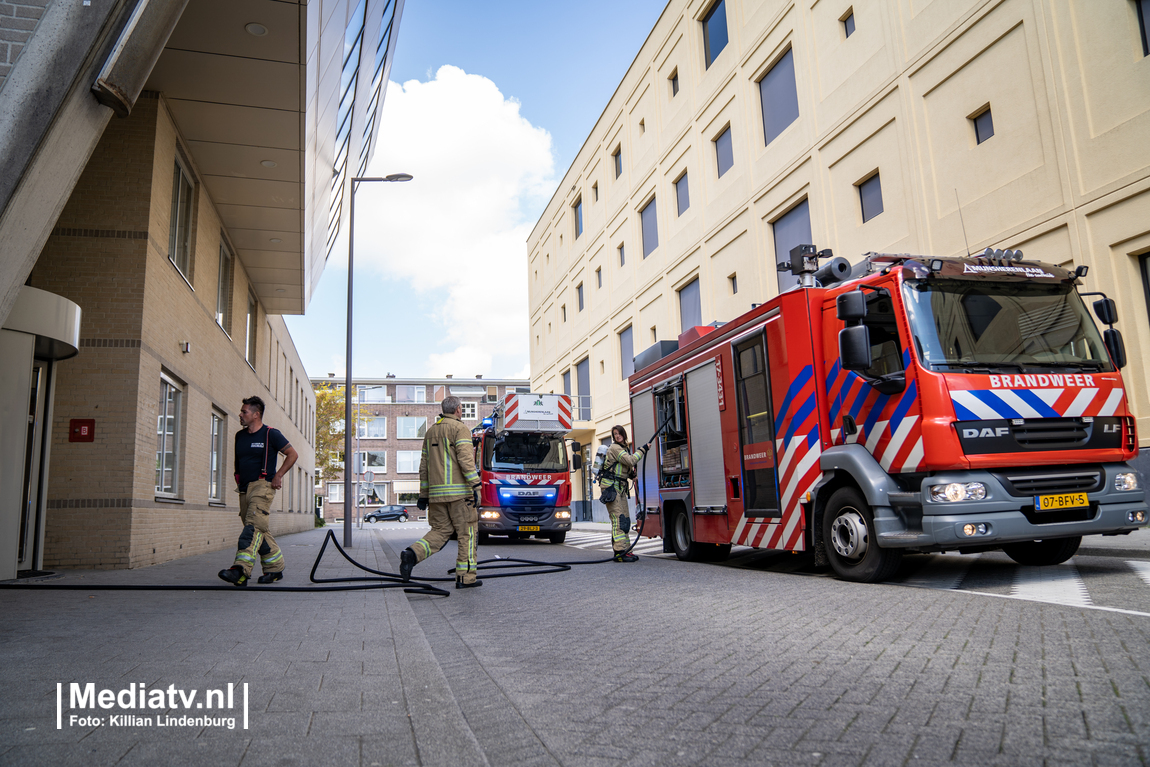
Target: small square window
(622,255)
(674,83)
(983,126)
(469,410)
(724,152)
(602,367)
(682,198)
(654,336)
(734,278)
(599,277)
(579,293)
(595,192)
(870,197)
(617,156)
(563,312)
(849,22)
(643,126)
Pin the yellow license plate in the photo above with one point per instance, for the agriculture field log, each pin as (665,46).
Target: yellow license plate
(529,528)
(1060,501)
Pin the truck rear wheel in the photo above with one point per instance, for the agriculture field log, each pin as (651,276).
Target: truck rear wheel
(848,531)
(1053,552)
(684,545)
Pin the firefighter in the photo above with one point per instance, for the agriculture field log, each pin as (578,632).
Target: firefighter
(257,448)
(449,491)
(615,476)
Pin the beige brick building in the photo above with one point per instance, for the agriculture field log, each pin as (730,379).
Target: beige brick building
(745,127)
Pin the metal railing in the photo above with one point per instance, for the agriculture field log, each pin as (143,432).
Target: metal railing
(581,407)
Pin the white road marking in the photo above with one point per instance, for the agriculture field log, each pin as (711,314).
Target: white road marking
(1141,568)
(943,571)
(1056,584)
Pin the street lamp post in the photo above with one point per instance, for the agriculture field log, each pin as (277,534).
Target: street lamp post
(348,458)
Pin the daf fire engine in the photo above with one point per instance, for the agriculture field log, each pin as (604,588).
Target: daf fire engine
(907,403)
(521,454)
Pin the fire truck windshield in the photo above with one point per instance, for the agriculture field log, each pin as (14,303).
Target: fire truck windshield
(1007,325)
(524,452)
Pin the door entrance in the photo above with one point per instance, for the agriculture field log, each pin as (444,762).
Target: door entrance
(756,429)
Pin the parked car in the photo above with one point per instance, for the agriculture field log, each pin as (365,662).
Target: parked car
(386,514)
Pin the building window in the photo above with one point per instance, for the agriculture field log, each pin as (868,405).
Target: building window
(682,198)
(595,192)
(1143,7)
(224,290)
(790,229)
(848,21)
(563,312)
(674,78)
(583,379)
(373,427)
(251,330)
(216,459)
(335,492)
(622,255)
(870,197)
(407,461)
(626,353)
(579,295)
(779,97)
(984,124)
(650,228)
(567,382)
(377,394)
(715,31)
(470,410)
(375,460)
(690,306)
(734,278)
(599,277)
(578,206)
(168,437)
(724,152)
(654,335)
(617,157)
(642,127)
(411,394)
(414,427)
(180,229)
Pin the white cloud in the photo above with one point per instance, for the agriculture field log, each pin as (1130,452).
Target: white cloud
(457,233)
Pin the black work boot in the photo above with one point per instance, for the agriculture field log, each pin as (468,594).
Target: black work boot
(406,563)
(462,585)
(270,577)
(622,557)
(234,575)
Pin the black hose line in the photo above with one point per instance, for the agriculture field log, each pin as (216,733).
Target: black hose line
(384,580)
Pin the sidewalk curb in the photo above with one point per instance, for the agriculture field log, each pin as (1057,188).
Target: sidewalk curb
(442,735)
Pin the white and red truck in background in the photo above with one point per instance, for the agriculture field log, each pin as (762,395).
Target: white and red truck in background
(524,468)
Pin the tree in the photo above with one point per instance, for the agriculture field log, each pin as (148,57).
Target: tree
(329,407)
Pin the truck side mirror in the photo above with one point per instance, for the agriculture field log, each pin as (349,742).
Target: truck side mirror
(1106,311)
(851,306)
(854,348)
(576,462)
(576,447)
(1114,344)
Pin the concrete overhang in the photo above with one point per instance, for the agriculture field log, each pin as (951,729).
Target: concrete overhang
(238,100)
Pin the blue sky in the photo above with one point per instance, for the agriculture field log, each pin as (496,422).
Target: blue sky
(488,105)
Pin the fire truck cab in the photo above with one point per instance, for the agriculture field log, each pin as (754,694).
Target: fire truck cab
(521,455)
(907,403)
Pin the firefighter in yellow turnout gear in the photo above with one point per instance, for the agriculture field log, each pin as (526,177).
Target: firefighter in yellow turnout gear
(616,475)
(448,489)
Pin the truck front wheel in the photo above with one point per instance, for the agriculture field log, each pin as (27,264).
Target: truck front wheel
(1053,552)
(848,531)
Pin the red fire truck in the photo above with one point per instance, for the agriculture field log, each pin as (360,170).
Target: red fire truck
(521,454)
(904,404)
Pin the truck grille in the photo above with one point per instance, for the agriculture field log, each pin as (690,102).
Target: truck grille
(1083,479)
(1050,433)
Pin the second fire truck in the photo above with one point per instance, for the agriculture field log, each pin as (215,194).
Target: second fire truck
(908,404)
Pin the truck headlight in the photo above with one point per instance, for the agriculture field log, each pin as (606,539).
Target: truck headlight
(563,515)
(1127,480)
(489,515)
(958,491)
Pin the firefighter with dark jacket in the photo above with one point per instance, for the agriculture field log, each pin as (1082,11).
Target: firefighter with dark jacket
(449,491)
(615,476)
(257,448)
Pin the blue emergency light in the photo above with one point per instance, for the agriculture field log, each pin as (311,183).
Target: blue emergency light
(488,422)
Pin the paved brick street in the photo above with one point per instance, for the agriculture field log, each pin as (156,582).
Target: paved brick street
(659,662)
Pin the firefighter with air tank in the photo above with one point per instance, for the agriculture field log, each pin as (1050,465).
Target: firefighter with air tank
(614,489)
